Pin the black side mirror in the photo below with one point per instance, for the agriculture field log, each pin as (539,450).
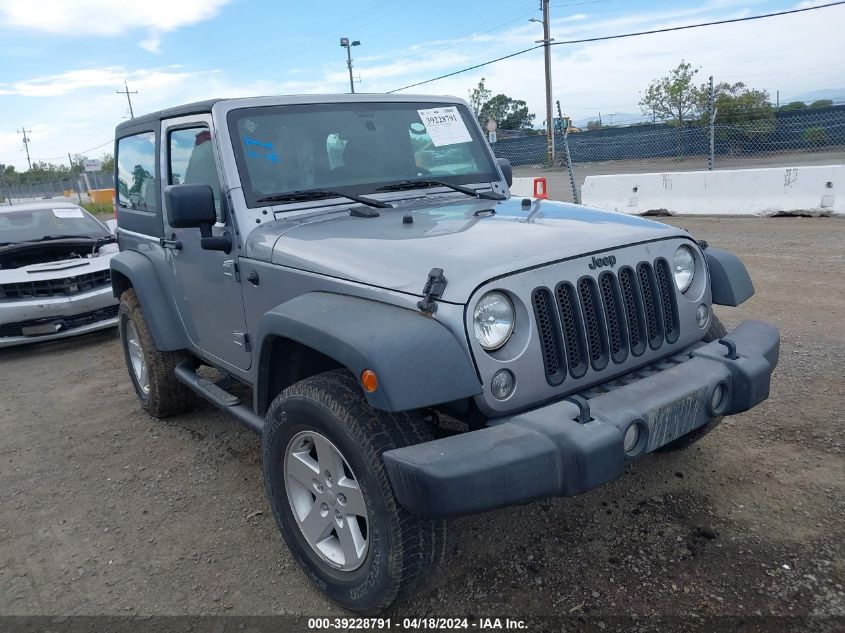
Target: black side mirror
(507,170)
(192,206)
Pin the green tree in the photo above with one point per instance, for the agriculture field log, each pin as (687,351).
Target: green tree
(594,125)
(509,114)
(743,115)
(792,106)
(674,98)
(478,96)
(822,103)
(108,163)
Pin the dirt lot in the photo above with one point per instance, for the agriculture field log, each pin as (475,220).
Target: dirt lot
(104,510)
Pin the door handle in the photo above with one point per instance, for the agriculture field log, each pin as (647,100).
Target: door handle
(176,245)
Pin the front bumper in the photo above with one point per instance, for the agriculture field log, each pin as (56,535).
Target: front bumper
(78,314)
(547,452)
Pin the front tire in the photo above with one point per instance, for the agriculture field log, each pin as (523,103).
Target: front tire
(151,370)
(331,497)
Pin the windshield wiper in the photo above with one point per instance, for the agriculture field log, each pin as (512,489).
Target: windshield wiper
(428,182)
(321,194)
(48,238)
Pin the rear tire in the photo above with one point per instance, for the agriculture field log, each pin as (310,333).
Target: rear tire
(716,331)
(396,551)
(151,370)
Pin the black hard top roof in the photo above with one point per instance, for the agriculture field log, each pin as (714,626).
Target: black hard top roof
(198,107)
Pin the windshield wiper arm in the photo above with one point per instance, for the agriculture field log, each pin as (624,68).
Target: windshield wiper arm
(48,238)
(320,194)
(428,182)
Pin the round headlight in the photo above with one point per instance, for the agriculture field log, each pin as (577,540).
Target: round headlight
(492,320)
(683,268)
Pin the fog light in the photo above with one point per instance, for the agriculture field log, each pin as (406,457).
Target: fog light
(701,315)
(632,437)
(716,400)
(502,384)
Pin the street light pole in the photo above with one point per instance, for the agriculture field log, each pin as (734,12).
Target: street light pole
(344,41)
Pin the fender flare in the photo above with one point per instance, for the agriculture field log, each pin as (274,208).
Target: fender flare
(417,360)
(730,283)
(131,268)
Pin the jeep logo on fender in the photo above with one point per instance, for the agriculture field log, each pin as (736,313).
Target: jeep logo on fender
(599,262)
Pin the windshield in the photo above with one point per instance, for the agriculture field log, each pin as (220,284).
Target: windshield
(27,225)
(355,147)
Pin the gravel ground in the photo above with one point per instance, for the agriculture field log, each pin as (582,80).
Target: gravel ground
(104,510)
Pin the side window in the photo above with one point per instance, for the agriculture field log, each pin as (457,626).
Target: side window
(192,161)
(136,168)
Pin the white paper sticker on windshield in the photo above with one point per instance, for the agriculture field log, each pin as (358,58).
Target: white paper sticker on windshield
(68,213)
(445,126)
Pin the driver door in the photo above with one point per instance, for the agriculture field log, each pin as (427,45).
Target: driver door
(205,284)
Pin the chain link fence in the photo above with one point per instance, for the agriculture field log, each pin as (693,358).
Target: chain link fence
(82,188)
(803,137)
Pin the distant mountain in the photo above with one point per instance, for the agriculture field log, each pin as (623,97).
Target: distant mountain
(618,118)
(837,95)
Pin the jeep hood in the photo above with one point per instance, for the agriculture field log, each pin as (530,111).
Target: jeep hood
(471,241)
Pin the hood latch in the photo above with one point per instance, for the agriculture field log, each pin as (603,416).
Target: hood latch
(434,288)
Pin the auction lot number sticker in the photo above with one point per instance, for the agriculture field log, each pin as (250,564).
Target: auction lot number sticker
(445,126)
(415,624)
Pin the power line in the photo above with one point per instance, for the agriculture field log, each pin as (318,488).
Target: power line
(620,36)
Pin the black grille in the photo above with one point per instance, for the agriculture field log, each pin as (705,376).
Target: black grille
(616,330)
(593,321)
(667,300)
(61,287)
(633,310)
(573,329)
(549,331)
(67,323)
(653,317)
(597,321)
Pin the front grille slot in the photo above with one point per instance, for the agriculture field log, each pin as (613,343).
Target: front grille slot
(594,322)
(573,329)
(633,310)
(61,287)
(616,331)
(651,305)
(548,328)
(667,300)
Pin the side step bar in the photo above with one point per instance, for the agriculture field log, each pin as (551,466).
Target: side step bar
(220,398)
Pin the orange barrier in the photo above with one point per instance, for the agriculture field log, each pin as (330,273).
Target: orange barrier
(101,196)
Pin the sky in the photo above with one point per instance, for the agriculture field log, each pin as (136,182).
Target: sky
(62,61)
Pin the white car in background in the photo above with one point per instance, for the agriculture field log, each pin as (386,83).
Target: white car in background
(55,280)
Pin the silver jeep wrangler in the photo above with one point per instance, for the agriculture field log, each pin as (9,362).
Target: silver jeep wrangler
(417,343)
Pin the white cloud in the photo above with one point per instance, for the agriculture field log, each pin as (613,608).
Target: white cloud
(793,54)
(108,17)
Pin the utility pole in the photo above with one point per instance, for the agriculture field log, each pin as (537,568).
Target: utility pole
(547,51)
(344,41)
(777,100)
(127,92)
(26,141)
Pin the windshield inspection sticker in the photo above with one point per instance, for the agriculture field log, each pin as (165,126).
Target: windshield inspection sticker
(68,213)
(445,126)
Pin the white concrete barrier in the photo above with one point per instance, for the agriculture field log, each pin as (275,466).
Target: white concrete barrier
(808,190)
